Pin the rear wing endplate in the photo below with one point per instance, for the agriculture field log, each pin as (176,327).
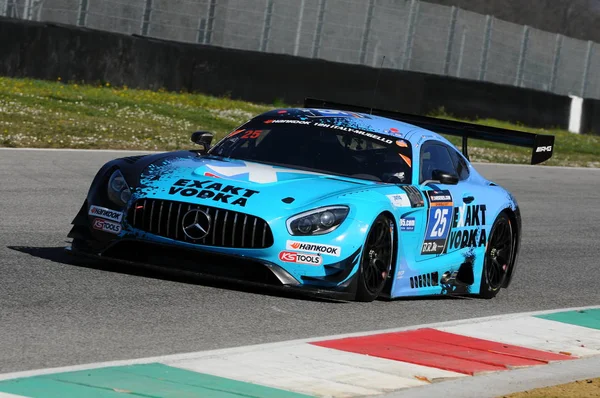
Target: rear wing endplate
(542,145)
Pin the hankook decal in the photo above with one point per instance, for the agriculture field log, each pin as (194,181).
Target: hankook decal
(329,250)
(103,212)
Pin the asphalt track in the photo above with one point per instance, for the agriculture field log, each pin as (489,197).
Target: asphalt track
(55,313)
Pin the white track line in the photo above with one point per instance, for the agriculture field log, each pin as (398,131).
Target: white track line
(268,346)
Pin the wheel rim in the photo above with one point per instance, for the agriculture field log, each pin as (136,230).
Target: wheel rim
(500,253)
(378,256)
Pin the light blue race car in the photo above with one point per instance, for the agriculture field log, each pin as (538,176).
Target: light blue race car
(330,199)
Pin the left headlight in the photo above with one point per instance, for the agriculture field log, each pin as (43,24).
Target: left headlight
(118,190)
(317,222)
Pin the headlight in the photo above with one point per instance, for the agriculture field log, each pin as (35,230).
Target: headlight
(318,221)
(118,190)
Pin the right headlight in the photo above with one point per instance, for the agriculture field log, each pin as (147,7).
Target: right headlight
(118,190)
(318,221)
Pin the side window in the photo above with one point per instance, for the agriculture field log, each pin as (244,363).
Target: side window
(461,166)
(435,156)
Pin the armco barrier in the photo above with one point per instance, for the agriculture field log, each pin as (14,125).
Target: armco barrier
(47,51)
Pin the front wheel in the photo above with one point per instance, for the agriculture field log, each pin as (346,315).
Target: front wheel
(499,257)
(376,261)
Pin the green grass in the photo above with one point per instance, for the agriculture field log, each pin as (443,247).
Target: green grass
(44,114)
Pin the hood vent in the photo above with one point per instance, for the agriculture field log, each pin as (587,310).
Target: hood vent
(133,159)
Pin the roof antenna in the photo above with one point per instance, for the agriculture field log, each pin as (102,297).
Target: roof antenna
(377,84)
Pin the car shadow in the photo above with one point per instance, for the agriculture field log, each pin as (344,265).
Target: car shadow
(60,255)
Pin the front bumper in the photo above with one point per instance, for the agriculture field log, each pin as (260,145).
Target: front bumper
(210,266)
(252,266)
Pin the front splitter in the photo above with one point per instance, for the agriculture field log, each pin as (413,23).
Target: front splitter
(298,290)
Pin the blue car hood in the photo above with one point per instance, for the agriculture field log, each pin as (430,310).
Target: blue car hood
(239,185)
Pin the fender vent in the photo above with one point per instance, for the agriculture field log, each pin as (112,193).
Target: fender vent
(425,280)
(414,195)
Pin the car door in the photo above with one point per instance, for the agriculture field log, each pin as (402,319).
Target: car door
(444,201)
(469,219)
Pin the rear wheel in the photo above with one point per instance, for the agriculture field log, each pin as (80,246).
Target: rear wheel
(498,257)
(376,260)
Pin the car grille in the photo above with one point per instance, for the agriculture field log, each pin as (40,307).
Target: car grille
(227,228)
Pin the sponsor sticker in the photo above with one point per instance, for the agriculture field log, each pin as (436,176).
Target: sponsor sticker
(439,198)
(329,250)
(468,227)
(103,212)
(289,121)
(543,149)
(399,200)
(438,222)
(407,224)
(106,226)
(300,258)
(216,191)
(380,138)
(394,131)
(469,216)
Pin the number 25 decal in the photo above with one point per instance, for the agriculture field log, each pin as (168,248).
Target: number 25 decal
(251,134)
(441,222)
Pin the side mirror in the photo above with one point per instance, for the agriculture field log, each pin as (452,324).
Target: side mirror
(444,177)
(203,138)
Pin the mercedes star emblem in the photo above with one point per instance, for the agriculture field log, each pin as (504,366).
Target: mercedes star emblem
(196,224)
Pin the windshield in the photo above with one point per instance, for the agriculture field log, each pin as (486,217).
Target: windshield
(322,147)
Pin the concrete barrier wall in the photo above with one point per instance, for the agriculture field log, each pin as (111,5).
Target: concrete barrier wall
(46,51)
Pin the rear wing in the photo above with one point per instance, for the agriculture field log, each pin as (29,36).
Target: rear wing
(542,145)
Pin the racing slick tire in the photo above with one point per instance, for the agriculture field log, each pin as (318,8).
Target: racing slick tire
(376,261)
(499,257)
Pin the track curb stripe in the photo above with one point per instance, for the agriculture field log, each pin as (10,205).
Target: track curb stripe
(585,318)
(386,362)
(150,380)
(443,350)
